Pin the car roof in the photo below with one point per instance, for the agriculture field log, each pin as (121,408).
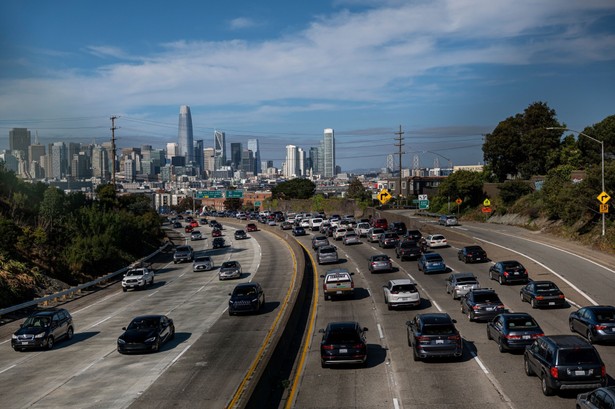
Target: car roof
(244,285)
(512,315)
(337,271)
(48,312)
(568,341)
(342,325)
(402,281)
(432,255)
(148,316)
(435,318)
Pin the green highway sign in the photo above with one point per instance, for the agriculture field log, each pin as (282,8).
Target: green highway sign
(423,204)
(209,194)
(234,194)
(257,203)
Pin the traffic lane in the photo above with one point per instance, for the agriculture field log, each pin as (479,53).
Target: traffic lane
(91,355)
(348,385)
(211,370)
(450,382)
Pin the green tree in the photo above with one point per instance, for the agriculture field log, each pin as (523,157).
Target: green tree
(233,203)
(294,189)
(513,190)
(465,185)
(357,191)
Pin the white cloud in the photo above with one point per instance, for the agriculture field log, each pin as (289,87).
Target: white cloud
(240,23)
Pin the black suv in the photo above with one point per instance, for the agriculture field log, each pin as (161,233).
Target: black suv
(399,228)
(246,297)
(481,304)
(472,254)
(343,343)
(564,362)
(42,329)
(407,249)
(433,335)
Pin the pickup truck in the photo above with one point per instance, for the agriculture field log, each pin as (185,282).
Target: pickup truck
(337,283)
(137,278)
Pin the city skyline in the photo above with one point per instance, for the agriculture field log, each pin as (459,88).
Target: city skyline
(446,72)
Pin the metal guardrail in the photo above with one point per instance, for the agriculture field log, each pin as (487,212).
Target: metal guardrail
(68,293)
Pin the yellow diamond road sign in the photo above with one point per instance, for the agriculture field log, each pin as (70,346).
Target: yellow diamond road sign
(603,197)
(384,196)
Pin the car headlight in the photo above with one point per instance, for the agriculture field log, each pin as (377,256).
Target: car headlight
(13,336)
(254,300)
(231,301)
(150,340)
(41,335)
(121,341)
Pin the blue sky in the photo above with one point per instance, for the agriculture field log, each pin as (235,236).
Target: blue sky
(446,71)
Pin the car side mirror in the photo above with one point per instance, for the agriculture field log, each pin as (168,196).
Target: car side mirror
(351,274)
(123,328)
(454,321)
(230,294)
(321,331)
(410,324)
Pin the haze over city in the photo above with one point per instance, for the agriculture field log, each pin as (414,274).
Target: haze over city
(445,71)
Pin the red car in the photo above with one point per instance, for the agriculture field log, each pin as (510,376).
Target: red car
(216,233)
(194,223)
(189,229)
(380,223)
(251,227)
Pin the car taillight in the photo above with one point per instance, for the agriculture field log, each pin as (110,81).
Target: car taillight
(562,296)
(534,336)
(394,292)
(540,297)
(454,337)
(352,285)
(554,373)
(475,307)
(328,347)
(506,273)
(358,346)
(599,327)
(422,339)
(603,371)
(513,336)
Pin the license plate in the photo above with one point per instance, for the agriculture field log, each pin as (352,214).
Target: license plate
(490,308)
(516,274)
(439,341)
(24,342)
(343,351)
(526,337)
(551,302)
(338,292)
(579,373)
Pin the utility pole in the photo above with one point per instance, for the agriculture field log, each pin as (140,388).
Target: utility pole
(113,128)
(400,143)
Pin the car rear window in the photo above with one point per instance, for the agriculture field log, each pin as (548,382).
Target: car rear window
(408,244)
(437,237)
(327,250)
(338,278)
(487,298)
(605,315)
(343,337)
(466,280)
(521,323)
(442,329)
(380,258)
(577,356)
(404,288)
(545,287)
(433,257)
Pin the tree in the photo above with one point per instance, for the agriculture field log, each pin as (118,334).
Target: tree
(512,190)
(294,189)
(233,203)
(464,184)
(357,191)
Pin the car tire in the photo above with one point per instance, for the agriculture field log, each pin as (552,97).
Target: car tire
(501,280)
(533,303)
(501,346)
(389,306)
(571,326)
(124,289)
(590,336)
(470,316)
(323,364)
(521,297)
(156,346)
(527,369)
(50,342)
(172,336)
(489,337)
(546,389)
(415,357)
(70,333)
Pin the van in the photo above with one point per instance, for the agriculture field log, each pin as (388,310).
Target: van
(448,220)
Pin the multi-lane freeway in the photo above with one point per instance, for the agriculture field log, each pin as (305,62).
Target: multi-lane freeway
(212,352)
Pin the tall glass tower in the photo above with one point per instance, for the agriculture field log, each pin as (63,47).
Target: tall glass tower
(328,154)
(185,137)
(253,146)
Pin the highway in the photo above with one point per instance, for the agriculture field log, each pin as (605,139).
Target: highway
(484,377)
(207,360)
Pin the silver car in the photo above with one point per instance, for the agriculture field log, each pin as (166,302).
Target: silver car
(202,263)
(229,269)
(351,238)
(373,235)
(459,284)
(326,254)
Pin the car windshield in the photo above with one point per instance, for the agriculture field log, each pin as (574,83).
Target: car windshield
(433,257)
(202,259)
(134,273)
(577,356)
(521,323)
(228,264)
(343,337)
(37,322)
(144,323)
(377,231)
(245,291)
(182,249)
(440,329)
(327,250)
(512,266)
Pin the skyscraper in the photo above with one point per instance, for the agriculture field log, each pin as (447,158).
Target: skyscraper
(236,155)
(219,149)
(291,164)
(254,147)
(185,137)
(19,140)
(328,154)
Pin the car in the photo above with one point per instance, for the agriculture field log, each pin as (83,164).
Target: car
(188,229)
(194,223)
(564,362)
(218,243)
(137,278)
(298,231)
(337,282)
(286,225)
(513,331)
(431,263)
(380,223)
(214,224)
(343,343)
(507,272)
(324,226)
(388,240)
(407,250)
(481,304)
(362,229)
(598,398)
(339,233)
(378,263)
(458,284)
(240,234)
(204,221)
(448,220)
(326,254)
(314,223)
(433,335)
(246,297)
(202,263)
(398,227)
(542,294)
(196,235)
(183,253)
(216,232)
(177,225)
(250,227)
(415,235)
(43,329)
(435,241)
(229,269)
(318,241)
(351,238)
(401,293)
(373,235)
(146,333)
(596,323)
(472,254)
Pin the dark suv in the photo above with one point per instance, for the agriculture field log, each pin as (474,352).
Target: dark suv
(564,362)
(42,329)
(407,249)
(481,304)
(343,343)
(432,335)
(398,227)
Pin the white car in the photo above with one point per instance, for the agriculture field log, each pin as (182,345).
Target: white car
(137,278)
(362,229)
(351,238)
(436,240)
(339,234)
(401,293)
(202,263)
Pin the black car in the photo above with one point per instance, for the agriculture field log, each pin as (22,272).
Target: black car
(246,297)
(407,249)
(299,231)
(472,254)
(146,333)
(42,329)
(414,235)
(506,272)
(598,398)
(434,335)
(343,343)
(481,304)
(388,240)
(543,294)
(218,243)
(240,235)
(398,227)
(177,225)
(564,362)
(596,323)
(513,331)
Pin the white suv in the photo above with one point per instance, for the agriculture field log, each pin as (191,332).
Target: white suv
(401,293)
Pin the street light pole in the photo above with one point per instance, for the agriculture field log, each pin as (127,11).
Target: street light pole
(602,154)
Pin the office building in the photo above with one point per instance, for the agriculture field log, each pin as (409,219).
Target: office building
(256,152)
(329,169)
(19,140)
(199,159)
(291,163)
(236,155)
(209,160)
(185,137)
